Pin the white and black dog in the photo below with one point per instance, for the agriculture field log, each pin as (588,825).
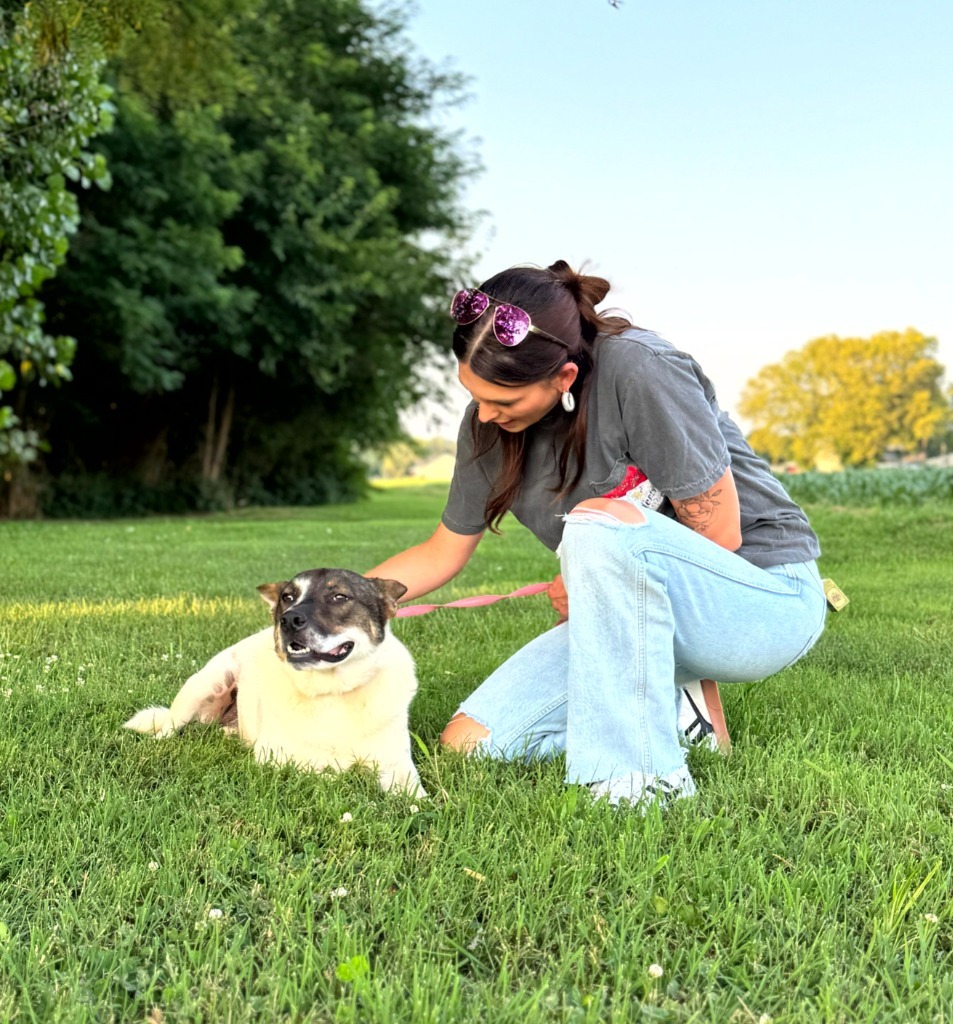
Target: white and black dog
(327,686)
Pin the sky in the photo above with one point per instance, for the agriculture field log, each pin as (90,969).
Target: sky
(748,174)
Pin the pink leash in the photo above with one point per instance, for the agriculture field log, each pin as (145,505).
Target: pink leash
(408,610)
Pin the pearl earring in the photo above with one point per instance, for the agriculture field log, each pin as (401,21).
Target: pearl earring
(568,401)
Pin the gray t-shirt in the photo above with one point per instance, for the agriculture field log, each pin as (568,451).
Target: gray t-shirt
(652,414)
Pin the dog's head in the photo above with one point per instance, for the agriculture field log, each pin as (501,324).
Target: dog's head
(324,617)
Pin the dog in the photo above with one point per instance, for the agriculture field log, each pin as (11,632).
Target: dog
(328,685)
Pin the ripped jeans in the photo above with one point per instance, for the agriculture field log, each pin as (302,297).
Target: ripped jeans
(651,606)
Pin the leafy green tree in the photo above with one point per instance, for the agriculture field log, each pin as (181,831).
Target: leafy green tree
(851,397)
(258,289)
(52,102)
(49,109)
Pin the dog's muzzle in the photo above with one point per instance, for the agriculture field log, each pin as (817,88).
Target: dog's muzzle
(303,643)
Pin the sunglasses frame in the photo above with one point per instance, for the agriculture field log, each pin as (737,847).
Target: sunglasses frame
(467,294)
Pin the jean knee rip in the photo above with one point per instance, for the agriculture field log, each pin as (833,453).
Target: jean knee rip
(598,515)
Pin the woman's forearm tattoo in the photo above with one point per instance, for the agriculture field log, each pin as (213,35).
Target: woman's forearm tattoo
(699,512)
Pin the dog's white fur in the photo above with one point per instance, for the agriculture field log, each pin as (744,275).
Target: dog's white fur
(331,717)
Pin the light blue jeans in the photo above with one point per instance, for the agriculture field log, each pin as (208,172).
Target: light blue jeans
(651,606)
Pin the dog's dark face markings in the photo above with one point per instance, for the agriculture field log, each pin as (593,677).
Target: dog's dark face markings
(322,614)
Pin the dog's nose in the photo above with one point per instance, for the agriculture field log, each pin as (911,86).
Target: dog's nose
(292,621)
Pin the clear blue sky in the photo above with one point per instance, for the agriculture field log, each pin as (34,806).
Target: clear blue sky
(749,174)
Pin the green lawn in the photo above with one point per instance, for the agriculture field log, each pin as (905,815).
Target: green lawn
(179,881)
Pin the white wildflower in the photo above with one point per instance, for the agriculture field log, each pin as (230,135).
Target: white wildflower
(338,893)
(932,918)
(414,809)
(655,971)
(347,816)
(215,914)
(153,866)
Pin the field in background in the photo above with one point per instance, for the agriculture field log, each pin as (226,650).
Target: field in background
(809,881)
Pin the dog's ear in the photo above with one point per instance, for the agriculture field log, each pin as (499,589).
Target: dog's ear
(391,591)
(270,592)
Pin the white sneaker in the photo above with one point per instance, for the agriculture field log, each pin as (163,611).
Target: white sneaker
(637,788)
(701,719)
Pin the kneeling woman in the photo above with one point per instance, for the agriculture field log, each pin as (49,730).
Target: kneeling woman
(682,556)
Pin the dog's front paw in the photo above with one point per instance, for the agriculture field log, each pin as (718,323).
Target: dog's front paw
(155,722)
(405,783)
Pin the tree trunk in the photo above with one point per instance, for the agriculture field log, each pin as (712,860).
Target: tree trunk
(19,494)
(218,428)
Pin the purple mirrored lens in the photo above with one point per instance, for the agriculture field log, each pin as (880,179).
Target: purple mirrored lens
(467,305)
(510,324)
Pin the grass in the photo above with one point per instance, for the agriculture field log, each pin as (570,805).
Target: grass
(140,881)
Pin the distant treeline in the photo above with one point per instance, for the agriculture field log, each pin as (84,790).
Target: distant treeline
(857,488)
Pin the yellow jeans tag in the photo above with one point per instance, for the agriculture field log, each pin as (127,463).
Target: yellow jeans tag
(836,597)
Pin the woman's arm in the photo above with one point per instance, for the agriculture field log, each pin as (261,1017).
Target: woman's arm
(429,565)
(714,514)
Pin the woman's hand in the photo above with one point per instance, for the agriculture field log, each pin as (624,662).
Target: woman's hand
(558,598)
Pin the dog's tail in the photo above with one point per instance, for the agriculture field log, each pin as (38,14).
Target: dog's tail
(152,721)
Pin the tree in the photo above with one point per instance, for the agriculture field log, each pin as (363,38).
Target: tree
(49,109)
(257,289)
(853,397)
(52,102)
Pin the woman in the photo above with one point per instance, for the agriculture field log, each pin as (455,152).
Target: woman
(682,557)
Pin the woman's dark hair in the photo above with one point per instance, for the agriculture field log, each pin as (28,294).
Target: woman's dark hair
(562,303)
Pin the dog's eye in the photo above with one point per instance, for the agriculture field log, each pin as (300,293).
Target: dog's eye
(287,596)
(340,597)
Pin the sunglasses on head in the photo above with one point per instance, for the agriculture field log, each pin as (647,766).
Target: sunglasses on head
(510,323)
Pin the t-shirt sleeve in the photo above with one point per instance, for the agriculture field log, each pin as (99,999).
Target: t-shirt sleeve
(469,489)
(671,426)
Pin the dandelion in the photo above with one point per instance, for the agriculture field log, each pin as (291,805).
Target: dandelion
(932,918)
(339,893)
(765,1018)
(153,866)
(347,816)
(655,971)
(215,914)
